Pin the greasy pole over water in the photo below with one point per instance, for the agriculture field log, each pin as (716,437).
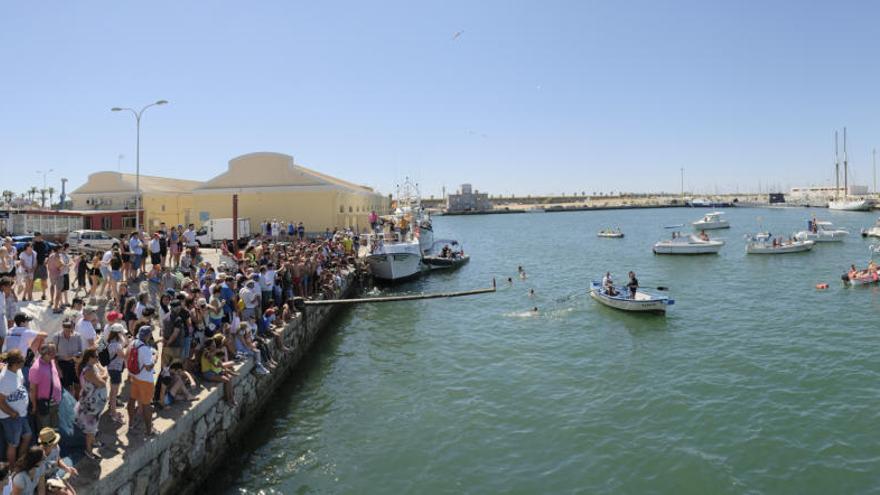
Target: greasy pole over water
(410,297)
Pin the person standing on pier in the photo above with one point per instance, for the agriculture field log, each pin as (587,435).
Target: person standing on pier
(140,363)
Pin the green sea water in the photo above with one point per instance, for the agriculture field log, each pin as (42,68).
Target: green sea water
(754,382)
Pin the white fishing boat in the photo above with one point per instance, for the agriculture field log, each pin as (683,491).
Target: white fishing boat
(712,221)
(762,243)
(643,302)
(687,244)
(397,254)
(821,231)
(392,258)
(873,231)
(610,234)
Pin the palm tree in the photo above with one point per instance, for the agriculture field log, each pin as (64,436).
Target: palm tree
(51,192)
(7,196)
(31,193)
(43,198)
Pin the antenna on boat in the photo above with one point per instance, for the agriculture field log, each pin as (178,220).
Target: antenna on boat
(836,168)
(845,167)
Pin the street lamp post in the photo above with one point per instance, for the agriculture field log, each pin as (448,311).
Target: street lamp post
(137,116)
(44,174)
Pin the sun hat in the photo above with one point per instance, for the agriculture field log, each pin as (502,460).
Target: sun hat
(113,316)
(117,328)
(49,437)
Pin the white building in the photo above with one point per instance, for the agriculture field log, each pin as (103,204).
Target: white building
(824,193)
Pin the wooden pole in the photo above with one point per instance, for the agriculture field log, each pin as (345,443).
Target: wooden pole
(234,225)
(411,297)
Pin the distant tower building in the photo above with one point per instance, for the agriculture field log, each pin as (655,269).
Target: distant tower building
(468,199)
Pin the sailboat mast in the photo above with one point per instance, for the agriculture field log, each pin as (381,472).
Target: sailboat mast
(845,167)
(836,167)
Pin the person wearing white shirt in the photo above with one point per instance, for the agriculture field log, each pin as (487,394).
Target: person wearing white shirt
(189,236)
(86,327)
(23,338)
(14,406)
(155,250)
(251,297)
(143,382)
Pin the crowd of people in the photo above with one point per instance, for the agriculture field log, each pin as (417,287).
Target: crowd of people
(169,323)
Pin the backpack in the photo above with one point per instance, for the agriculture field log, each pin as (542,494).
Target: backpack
(132,363)
(104,356)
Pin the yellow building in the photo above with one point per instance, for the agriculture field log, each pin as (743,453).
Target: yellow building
(271,186)
(164,200)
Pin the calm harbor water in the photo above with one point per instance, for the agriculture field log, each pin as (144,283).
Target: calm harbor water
(755,382)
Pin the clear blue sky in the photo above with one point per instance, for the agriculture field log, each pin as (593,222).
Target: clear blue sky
(531,97)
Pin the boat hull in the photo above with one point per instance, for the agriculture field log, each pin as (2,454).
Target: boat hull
(643,303)
(711,225)
(767,248)
(851,205)
(711,247)
(826,236)
(613,235)
(438,263)
(394,267)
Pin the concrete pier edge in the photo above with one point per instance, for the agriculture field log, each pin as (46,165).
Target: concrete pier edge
(185,454)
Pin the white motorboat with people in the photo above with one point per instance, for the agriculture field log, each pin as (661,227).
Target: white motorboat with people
(402,239)
(821,231)
(393,256)
(766,243)
(610,233)
(450,255)
(410,215)
(688,244)
(629,297)
(873,231)
(712,221)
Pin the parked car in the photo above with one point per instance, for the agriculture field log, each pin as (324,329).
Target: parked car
(90,240)
(19,242)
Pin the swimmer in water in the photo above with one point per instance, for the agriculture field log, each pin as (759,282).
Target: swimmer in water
(535,310)
(522,273)
(509,281)
(531,292)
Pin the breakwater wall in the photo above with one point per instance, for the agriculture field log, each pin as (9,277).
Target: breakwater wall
(180,458)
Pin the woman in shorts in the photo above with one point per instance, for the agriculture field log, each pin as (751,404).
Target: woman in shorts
(116,347)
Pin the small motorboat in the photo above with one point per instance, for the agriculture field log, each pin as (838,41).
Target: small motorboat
(610,234)
(450,256)
(439,262)
(712,221)
(644,302)
(690,244)
(873,231)
(821,231)
(762,243)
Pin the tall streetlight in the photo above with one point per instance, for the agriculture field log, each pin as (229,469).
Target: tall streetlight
(137,116)
(44,174)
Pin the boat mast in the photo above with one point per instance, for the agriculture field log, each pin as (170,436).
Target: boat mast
(874,167)
(845,168)
(836,168)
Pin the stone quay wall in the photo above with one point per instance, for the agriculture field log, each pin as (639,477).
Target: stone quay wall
(181,458)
